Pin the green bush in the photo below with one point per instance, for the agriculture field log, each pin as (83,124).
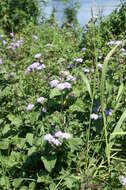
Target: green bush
(15,14)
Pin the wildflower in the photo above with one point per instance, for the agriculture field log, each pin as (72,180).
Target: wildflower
(94,116)
(48,45)
(4,42)
(86,70)
(11,34)
(118,42)
(39,68)
(37,56)
(44,110)
(78,60)
(40,100)
(30,107)
(123,180)
(100,57)
(70,66)
(100,66)
(108,112)
(1,36)
(54,83)
(83,50)
(41,61)
(1,62)
(63,86)
(71,78)
(62,135)
(32,67)
(52,140)
(35,37)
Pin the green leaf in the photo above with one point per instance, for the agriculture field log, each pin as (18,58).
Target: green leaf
(54,92)
(15,120)
(49,162)
(4,145)
(5,129)
(17,182)
(32,186)
(117,128)
(121,88)
(29,138)
(78,106)
(87,83)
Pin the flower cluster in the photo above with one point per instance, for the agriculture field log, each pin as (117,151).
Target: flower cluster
(55,139)
(123,180)
(118,42)
(1,61)
(78,60)
(94,116)
(40,100)
(15,44)
(36,66)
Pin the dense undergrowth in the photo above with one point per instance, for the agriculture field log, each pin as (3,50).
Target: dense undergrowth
(63,107)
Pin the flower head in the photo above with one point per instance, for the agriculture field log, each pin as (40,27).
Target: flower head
(100,66)
(37,56)
(40,100)
(62,135)
(123,180)
(65,85)
(94,116)
(78,60)
(30,107)
(54,83)
(1,62)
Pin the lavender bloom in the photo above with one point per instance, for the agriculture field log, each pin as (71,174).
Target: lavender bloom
(78,60)
(63,86)
(44,110)
(83,50)
(37,56)
(108,112)
(70,66)
(71,78)
(1,36)
(41,61)
(123,180)
(94,116)
(118,42)
(100,57)
(4,42)
(52,140)
(30,107)
(11,34)
(86,70)
(54,83)
(32,67)
(1,62)
(39,68)
(62,135)
(40,100)
(100,66)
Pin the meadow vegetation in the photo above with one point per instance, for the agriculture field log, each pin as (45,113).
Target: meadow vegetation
(63,101)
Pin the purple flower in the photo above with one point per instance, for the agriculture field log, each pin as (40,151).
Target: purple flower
(54,83)
(62,135)
(4,42)
(94,116)
(108,112)
(11,34)
(40,100)
(100,66)
(70,66)
(41,67)
(52,140)
(71,78)
(30,107)
(78,60)
(44,110)
(32,67)
(37,56)
(1,62)
(123,180)
(83,50)
(65,85)
(86,70)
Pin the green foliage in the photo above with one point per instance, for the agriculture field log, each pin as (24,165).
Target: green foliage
(93,156)
(16,14)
